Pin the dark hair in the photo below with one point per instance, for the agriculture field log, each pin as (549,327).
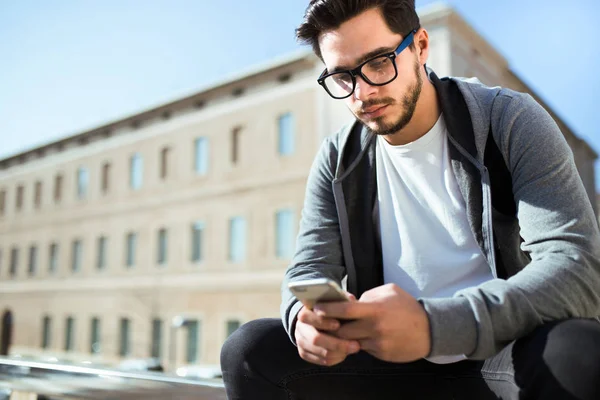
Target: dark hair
(324,15)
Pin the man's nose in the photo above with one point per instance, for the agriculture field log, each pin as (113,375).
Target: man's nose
(363,90)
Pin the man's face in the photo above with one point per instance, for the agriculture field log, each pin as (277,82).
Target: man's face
(383,109)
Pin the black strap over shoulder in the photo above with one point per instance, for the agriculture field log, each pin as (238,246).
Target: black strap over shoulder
(500,178)
(507,239)
(460,125)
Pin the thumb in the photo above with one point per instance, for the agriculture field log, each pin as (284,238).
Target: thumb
(351,296)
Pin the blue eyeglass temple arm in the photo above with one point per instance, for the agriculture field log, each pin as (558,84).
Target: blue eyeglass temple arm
(406,42)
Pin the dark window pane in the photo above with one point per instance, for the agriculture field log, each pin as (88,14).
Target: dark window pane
(69,339)
(19,200)
(197,238)
(155,351)
(95,345)
(38,194)
(232,326)
(2,202)
(76,256)
(236,134)
(105,177)
(162,247)
(14,261)
(164,162)
(101,256)
(124,338)
(193,339)
(32,260)
(58,188)
(46,332)
(130,251)
(53,258)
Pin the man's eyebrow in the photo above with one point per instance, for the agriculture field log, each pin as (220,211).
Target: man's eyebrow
(363,58)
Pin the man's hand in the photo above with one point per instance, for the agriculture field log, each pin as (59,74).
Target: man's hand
(318,347)
(388,323)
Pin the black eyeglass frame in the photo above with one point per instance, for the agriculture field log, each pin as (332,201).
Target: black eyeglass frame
(357,71)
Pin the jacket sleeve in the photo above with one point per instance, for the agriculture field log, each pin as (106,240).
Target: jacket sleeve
(319,245)
(559,231)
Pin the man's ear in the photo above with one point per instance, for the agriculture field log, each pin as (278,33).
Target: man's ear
(422,45)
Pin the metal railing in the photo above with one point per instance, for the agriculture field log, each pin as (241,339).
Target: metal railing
(60,381)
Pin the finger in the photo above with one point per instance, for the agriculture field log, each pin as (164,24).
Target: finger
(329,361)
(318,355)
(322,344)
(373,347)
(344,310)
(318,321)
(369,345)
(310,357)
(359,329)
(351,297)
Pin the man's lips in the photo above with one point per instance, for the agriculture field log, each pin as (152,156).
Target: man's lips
(374,111)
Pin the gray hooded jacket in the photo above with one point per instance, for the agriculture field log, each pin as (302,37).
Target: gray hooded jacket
(541,241)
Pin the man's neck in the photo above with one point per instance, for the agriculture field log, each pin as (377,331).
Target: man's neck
(426,114)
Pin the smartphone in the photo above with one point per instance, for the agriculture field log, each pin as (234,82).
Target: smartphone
(313,291)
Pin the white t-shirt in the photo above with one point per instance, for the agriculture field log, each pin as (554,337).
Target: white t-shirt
(428,247)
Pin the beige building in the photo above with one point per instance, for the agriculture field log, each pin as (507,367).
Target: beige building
(185,210)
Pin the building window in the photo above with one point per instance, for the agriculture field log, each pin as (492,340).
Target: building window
(156,348)
(130,251)
(232,326)
(236,134)
(284,234)
(105,178)
(237,239)
(14,261)
(201,156)
(37,194)
(136,171)
(124,337)
(197,238)
(286,134)
(32,260)
(95,336)
(193,339)
(164,162)
(82,182)
(2,201)
(19,199)
(53,258)
(161,257)
(58,179)
(76,255)
(101,255)
(46,332)
(69,332)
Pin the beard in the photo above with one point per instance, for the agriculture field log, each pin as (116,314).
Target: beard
(409,103)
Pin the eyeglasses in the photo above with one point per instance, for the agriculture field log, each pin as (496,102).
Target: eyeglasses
(376,71)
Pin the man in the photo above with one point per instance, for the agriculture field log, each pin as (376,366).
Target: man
(456,215)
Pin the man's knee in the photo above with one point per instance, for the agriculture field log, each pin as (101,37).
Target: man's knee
(575,336)
(573,349)
(565,355)
(253,341)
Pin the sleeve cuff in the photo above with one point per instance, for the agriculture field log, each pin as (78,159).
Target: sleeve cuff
(452,326)
(292,318)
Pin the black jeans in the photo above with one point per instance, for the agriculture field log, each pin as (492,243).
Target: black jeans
(556,361)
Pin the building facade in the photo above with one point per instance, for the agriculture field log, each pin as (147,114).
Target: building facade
(157,235)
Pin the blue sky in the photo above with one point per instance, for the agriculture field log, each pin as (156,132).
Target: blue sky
(70,65)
